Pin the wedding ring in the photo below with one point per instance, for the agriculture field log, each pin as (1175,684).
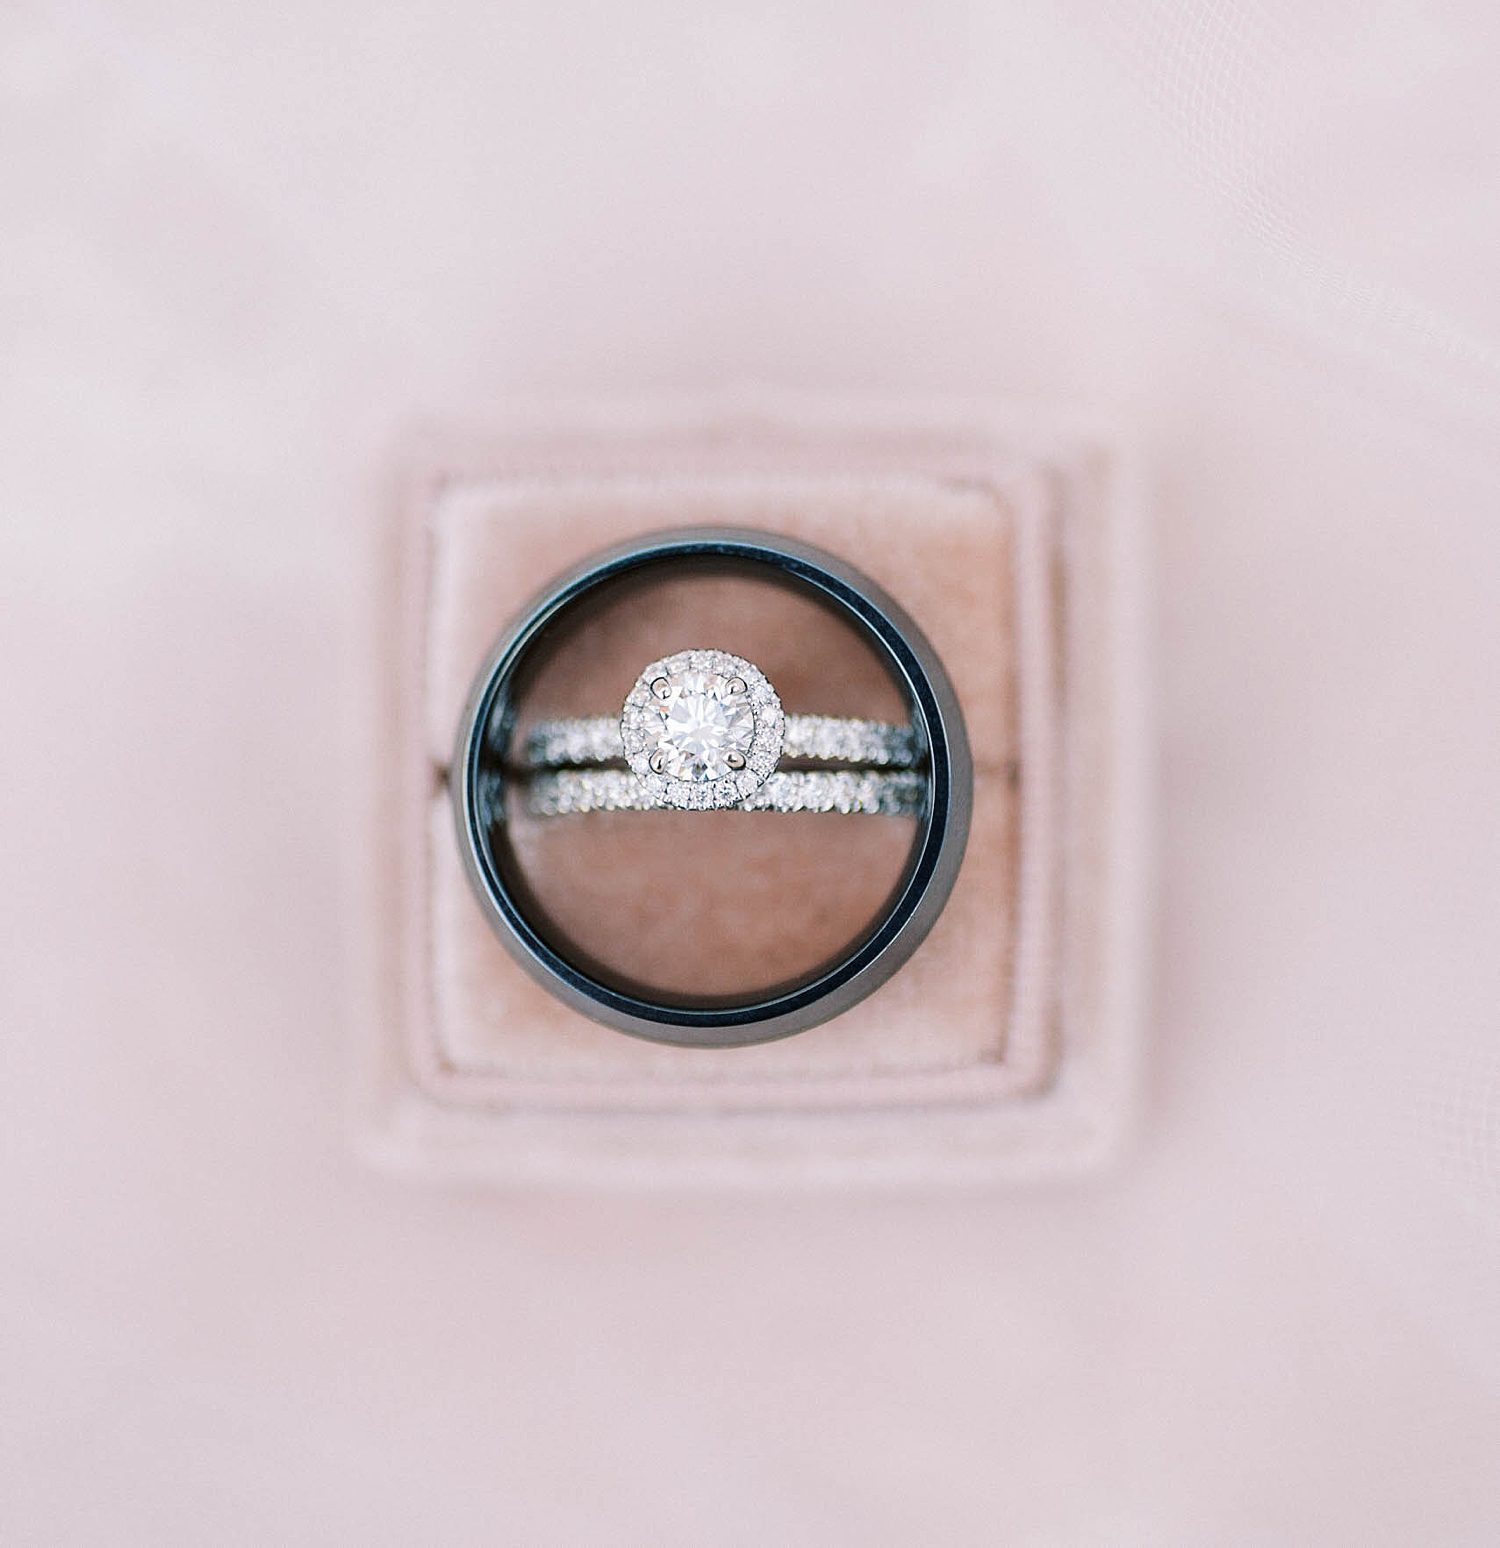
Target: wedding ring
(573,792)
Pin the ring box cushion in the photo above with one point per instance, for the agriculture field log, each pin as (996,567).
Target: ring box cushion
(1005,1047)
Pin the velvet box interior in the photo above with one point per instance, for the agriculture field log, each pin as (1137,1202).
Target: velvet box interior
(1006,1047)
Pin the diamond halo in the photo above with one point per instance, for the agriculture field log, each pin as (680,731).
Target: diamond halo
(702,730)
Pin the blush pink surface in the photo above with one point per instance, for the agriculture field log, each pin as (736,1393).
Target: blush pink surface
(243,250)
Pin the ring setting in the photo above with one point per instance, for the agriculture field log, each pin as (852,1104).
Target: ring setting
(702,730)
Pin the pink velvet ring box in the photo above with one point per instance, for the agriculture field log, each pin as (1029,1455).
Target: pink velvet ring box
(1008,1046)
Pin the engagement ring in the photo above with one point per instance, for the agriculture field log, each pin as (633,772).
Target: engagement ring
(703,730)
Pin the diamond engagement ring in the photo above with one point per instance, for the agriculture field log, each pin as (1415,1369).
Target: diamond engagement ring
(704,730)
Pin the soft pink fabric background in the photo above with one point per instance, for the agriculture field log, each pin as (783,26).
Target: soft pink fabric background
(242,246)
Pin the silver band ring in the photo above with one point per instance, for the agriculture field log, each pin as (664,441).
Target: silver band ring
(895,793)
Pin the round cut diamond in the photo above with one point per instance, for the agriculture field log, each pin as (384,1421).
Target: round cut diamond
(701,725)
(702,730)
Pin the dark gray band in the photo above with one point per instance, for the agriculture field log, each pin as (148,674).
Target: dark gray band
(480,775)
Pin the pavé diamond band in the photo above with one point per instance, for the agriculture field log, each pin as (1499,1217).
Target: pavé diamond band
(703,730)
(897,793)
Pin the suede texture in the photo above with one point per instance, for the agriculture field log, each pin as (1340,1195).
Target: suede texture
(971,536)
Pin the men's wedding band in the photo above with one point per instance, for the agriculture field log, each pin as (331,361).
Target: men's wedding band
(702,731)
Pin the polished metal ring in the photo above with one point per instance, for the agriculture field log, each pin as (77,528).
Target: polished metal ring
(921,771)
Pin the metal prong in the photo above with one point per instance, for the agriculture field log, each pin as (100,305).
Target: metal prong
(737,685)
(735,760)
(661,687)
(657,761)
